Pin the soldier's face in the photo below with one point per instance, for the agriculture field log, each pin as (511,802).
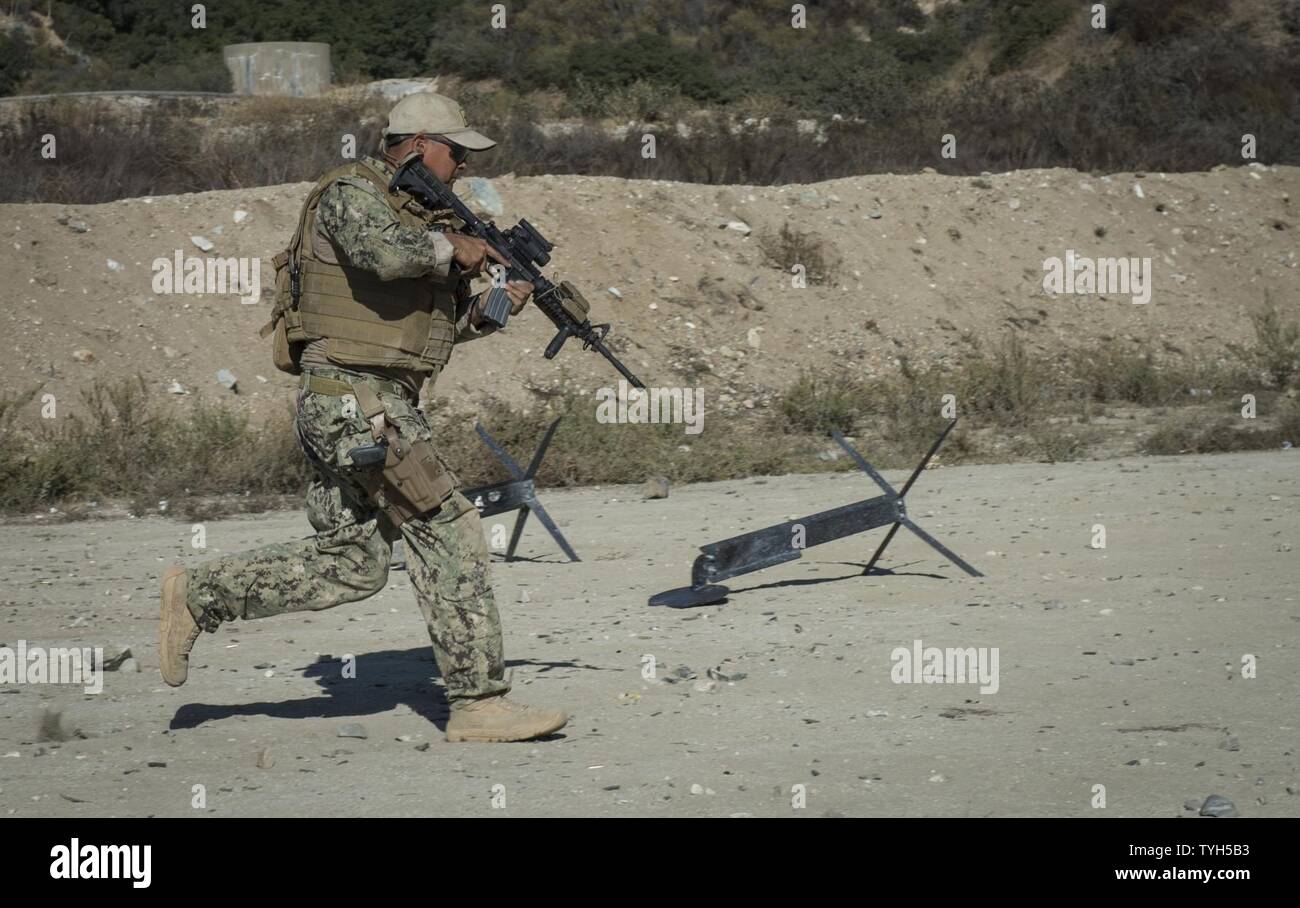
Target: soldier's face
(438,158)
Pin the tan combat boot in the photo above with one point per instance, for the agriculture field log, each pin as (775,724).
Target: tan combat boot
(177,629)
(501,719)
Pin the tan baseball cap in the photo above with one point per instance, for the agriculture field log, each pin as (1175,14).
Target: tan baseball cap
(436,115)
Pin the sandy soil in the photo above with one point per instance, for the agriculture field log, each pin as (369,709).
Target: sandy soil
(1119,667)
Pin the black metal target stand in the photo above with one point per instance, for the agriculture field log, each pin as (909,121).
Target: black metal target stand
(776,544)
(517,494)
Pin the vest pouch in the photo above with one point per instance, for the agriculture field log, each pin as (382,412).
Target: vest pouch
(415,481)
(284,353)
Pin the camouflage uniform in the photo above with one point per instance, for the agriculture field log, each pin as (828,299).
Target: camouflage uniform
(348,558)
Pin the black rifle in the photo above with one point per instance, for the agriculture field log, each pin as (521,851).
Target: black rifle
(525,250)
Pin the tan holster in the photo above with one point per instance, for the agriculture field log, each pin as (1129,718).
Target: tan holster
(413,481)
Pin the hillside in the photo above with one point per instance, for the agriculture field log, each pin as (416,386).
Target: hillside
(928,262)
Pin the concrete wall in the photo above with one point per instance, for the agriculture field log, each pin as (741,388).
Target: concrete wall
(295,68)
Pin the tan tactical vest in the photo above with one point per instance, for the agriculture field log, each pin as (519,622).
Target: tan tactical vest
(407,323)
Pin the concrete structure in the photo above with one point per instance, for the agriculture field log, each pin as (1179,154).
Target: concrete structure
(297,69)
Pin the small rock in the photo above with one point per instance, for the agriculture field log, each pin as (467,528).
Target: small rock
(875,214)
(239,215)
(78,226)
(203,243)
(704,687)
(1014,204)
(1192,804)
(740,227)
(114,265)
(171,352)
(754,338)
(615,292)
(1218,806)
(726,674)
(655,487)
(129,665)
(353,730)
(83,356)
(228,381)
(1230,743)
(481,196)
(177,388)
(264,758)
(117,660)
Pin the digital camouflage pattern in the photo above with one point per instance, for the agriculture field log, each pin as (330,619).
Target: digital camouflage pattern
(348,558)
(354,214)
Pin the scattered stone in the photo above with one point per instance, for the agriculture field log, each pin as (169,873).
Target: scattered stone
(726,674)
(740,227)
(156,764)
(422,747)
(1014,204)
(1230,743)
(171,352)
(655,487)
(704,687)
(177,388)
(811,199)
(353,730)
(78,226)
(682,673)
(754,337)
(1219,806)
(1192,804)
(228,381)
(114,265)
(203,243)
(83,356)
(117,660)
(239,215)
(875,214)
(615,292)
(265,760)
(130,665)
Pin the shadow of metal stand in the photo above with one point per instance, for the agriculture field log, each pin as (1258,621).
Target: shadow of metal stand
(777,544)
(517,494)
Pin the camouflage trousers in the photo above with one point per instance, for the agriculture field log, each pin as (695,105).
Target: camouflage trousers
(348,558)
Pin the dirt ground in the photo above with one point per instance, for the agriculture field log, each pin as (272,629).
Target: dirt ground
(1119,667)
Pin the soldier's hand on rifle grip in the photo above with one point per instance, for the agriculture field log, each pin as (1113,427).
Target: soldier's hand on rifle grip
(470,253)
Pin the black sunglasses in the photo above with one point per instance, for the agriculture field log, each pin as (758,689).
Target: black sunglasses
(458,152)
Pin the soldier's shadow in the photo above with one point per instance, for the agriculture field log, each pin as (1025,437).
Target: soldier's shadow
(374,683)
